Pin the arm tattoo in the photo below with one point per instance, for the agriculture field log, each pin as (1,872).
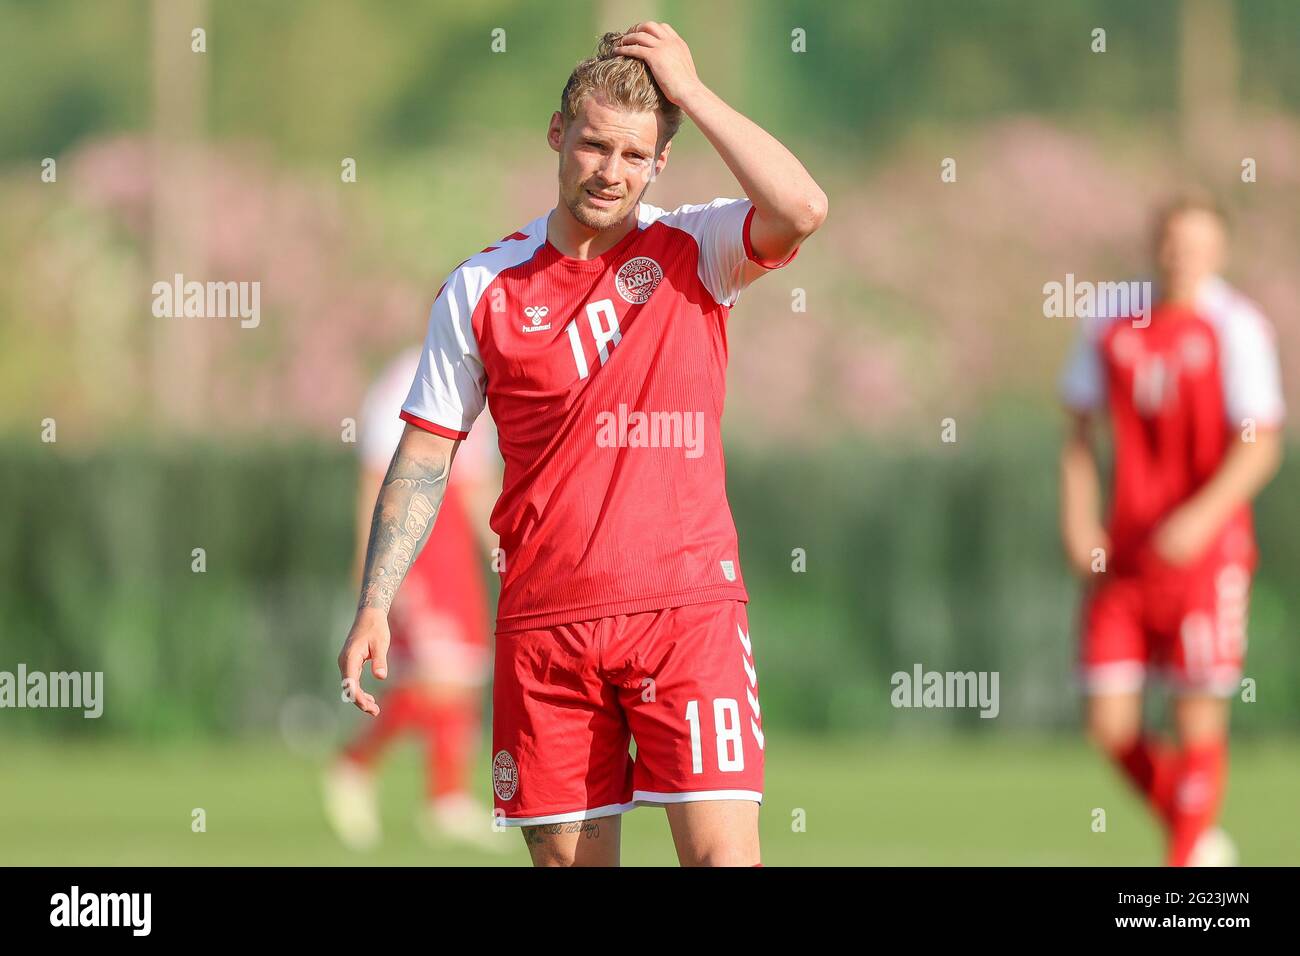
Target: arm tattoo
(536,835)
(404,514)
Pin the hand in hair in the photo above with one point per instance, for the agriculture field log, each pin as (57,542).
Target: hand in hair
(666,54)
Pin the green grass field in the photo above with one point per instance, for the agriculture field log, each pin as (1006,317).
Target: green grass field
(864,801)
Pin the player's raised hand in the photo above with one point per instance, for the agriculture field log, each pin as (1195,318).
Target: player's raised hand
(667,55)
(367,641)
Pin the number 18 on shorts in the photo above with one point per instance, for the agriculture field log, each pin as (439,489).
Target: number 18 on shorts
(568,700)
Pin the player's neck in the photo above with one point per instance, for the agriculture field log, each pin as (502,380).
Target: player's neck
(577,241)
(1182,294)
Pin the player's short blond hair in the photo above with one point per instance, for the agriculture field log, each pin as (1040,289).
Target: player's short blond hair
(1194,199)
(622,81)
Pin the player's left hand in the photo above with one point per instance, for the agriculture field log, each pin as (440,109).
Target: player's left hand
(367,641)
(1182,537)
(667,55)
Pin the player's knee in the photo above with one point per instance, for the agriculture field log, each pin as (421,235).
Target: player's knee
(1112,736)
(549,852)
(1201,722)
(549,858)
(726,852)
(562,859)
(723,856)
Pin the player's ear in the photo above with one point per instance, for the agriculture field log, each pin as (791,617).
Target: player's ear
(661,160)
(555,132)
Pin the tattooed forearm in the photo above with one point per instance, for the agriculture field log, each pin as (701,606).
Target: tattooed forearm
(534,836)
(404,514)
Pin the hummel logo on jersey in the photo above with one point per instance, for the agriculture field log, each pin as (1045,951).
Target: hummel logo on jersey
(536,313)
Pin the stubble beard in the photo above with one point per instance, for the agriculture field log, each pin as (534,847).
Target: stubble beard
(598,219)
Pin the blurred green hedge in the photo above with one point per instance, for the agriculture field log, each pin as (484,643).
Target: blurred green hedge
(948,559)
(313,80)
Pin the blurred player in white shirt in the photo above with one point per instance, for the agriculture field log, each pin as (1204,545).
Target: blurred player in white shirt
(440,634)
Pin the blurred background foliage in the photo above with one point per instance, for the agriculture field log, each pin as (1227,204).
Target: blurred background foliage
(313,80)
(924,301)
(946,559)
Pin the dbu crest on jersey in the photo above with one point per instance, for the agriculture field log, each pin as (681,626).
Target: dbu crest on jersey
(638,278)
(505,775)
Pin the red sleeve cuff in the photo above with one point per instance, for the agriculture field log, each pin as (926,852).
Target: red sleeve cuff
(431,427)
(749,248)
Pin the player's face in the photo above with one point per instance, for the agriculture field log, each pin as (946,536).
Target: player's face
(1190,248)
(607,159)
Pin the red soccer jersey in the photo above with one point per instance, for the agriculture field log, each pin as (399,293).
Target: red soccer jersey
(605,379)
(1179,391)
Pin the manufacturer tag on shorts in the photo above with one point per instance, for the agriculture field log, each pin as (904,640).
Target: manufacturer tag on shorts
(728,570)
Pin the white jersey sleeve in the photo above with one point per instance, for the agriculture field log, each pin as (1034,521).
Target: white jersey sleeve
(1082,385)
(1249,365)
(721,231)
(449,390)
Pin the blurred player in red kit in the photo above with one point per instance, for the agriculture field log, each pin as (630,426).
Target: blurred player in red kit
(597,333)
(1191,387)
(440,635)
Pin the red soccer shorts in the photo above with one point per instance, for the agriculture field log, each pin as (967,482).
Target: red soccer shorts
(568,699)
(1187,624)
